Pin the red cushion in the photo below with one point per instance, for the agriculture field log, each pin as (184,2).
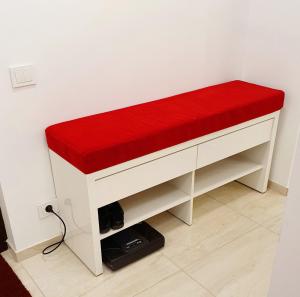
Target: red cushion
(99,141)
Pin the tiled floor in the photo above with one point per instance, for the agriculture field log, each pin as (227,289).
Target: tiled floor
(228,252)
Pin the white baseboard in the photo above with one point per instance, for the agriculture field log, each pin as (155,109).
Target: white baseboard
(278,188)
(31,251)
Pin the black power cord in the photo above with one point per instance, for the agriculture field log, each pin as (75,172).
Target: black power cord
(56,245)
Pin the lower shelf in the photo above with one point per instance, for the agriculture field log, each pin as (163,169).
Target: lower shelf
(146,204)
(153,201)
(220,173)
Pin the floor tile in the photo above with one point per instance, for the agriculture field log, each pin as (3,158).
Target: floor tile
(62,274)
(274,224)
(136,277)
(29,283)
(177,285)
(259,207)
(11,261)
(233,193)
(240,268)
(214,225)
(23,275)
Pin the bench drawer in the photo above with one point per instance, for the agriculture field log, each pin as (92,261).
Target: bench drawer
(128,182)
(233,143)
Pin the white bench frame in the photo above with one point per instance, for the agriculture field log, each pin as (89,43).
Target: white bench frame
(165,180)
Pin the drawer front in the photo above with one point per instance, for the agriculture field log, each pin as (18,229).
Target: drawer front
(233,143)
(131,181)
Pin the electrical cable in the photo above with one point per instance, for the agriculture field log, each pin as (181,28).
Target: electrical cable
(55,245)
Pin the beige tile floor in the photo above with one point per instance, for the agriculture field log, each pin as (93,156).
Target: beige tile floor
(228,252)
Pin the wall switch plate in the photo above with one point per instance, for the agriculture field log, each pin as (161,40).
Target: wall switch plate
(41,208)
(22,76)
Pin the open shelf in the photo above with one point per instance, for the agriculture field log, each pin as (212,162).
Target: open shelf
(146,204)
(220,173)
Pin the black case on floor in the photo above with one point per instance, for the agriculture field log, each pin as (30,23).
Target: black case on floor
(130,245)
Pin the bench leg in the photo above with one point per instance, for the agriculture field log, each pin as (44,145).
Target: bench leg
(83,236)
(261,155)
(78,212)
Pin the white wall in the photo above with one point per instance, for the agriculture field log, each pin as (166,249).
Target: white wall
(93,56)
(285,280)
(271,57)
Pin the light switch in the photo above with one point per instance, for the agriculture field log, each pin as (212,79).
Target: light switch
(22,76)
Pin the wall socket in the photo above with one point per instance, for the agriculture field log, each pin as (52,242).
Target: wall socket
(41,208)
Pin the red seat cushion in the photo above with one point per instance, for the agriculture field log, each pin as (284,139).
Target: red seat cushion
(99,141)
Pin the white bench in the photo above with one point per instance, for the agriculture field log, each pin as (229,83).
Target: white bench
(164,180)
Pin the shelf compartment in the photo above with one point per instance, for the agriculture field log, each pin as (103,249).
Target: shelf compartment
(220,173)
(146,204)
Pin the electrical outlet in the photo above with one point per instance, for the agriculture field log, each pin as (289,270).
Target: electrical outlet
(41,208)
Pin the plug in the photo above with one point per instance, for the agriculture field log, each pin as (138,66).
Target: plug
(49,208)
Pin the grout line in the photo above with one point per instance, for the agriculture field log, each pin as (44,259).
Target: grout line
(267,229)
(201,285)
(245,216)
(278,234)
(222,246)
(186,267)
(163,279)
(261,225)
(97,284)
(182,270)
(254,227)
(32,279)
(145,289)
(225,244)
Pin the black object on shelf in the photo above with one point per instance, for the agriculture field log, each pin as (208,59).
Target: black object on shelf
(116,216)
(104,219)
(130,245)
(110,217)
